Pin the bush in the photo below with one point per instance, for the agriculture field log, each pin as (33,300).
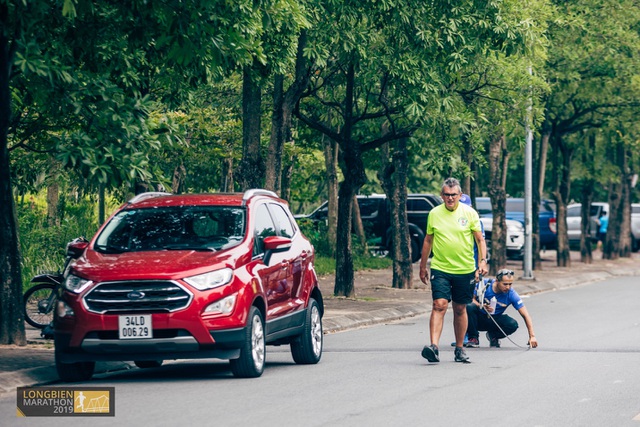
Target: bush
(42,246)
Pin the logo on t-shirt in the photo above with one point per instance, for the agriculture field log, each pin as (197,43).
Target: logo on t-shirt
(463,221)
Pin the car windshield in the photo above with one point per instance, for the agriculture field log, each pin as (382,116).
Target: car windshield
(204,228)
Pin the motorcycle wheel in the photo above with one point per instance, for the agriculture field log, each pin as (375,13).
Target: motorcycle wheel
(33,299)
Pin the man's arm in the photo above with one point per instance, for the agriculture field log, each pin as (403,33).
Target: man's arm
(533,342)
(482,252)
(426,251)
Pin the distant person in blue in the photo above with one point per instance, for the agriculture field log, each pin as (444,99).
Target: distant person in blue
(603,224)
(480,313)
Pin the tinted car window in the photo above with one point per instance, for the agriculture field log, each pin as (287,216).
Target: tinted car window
(178,227)
(285,227)
(419,205)
(574,211)
(483,205)
(264,227)
(635,209)
(368,206)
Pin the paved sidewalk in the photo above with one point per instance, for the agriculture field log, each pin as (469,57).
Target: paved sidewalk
(376,302)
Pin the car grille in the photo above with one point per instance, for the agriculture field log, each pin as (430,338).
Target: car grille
(147,296)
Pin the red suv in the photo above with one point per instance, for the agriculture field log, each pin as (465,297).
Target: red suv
(191,276)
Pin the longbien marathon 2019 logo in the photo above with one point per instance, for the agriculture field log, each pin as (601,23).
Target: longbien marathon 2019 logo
(66,401)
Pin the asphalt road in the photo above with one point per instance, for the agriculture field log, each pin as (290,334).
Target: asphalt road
(585,373)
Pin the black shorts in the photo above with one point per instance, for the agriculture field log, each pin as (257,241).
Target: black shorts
(456,287)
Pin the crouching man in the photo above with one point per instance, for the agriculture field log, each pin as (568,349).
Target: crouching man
(480,313)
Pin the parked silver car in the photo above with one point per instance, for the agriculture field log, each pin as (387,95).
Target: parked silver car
(574,221)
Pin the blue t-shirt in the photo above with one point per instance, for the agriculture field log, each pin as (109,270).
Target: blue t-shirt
(604,223)
(503,300)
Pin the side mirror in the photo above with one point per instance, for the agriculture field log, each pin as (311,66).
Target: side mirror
(274,244)
(76,247)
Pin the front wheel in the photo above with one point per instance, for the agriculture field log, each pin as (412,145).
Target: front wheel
(250,364)
(39,303)
(75,372)
(307,348)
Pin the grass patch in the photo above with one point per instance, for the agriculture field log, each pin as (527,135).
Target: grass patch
(326,265)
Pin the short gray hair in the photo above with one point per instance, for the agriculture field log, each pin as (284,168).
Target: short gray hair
(451,182)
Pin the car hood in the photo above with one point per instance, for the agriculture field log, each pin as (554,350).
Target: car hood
(164,265)
(487,223)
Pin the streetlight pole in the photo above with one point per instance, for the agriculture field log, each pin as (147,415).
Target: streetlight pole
(528,185)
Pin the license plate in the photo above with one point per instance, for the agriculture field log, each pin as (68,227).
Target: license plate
(135,327)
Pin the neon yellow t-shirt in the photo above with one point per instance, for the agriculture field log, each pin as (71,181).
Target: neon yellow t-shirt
(453,238)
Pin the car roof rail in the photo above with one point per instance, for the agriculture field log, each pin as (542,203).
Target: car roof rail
(147,195)
(257,192)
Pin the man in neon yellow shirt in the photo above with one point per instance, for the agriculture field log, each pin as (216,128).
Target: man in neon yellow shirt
(452,229)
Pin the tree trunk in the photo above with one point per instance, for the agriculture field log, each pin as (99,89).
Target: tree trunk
(53,202)
(498,203)
(251,166)
(287,172)
(539,170)
(358,228)
(586,254)
(613,245)
(11,314)
(330,148)
(177,182)
(283,105)
(273,165)
(626,179)
(227,184)
(610,249)
(393,177)
(354,177)
(562,163)
(101,204)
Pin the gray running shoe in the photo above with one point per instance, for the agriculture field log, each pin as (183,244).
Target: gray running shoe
(460,355)
(431,353)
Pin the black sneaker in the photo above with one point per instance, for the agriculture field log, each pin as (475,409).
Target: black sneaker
(493,342)
(431,353)
(460,355)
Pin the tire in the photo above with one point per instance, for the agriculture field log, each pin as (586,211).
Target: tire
(250,364)
(417,240)
(32,299)
(307,348)
(75,372)
(416,250)
(146,364)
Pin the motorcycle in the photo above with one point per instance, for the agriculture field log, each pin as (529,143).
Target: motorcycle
(41,298)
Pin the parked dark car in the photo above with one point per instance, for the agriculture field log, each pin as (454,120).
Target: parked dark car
(191,276)
(515,211)
(376,218)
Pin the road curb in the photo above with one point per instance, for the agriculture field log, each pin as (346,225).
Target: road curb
(358,320)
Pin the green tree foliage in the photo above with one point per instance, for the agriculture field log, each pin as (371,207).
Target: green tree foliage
(592,68)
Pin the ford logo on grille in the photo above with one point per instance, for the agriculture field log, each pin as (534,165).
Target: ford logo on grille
(135,295)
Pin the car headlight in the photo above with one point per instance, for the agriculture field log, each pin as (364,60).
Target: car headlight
(223,306)
(75,284)
(210,280)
